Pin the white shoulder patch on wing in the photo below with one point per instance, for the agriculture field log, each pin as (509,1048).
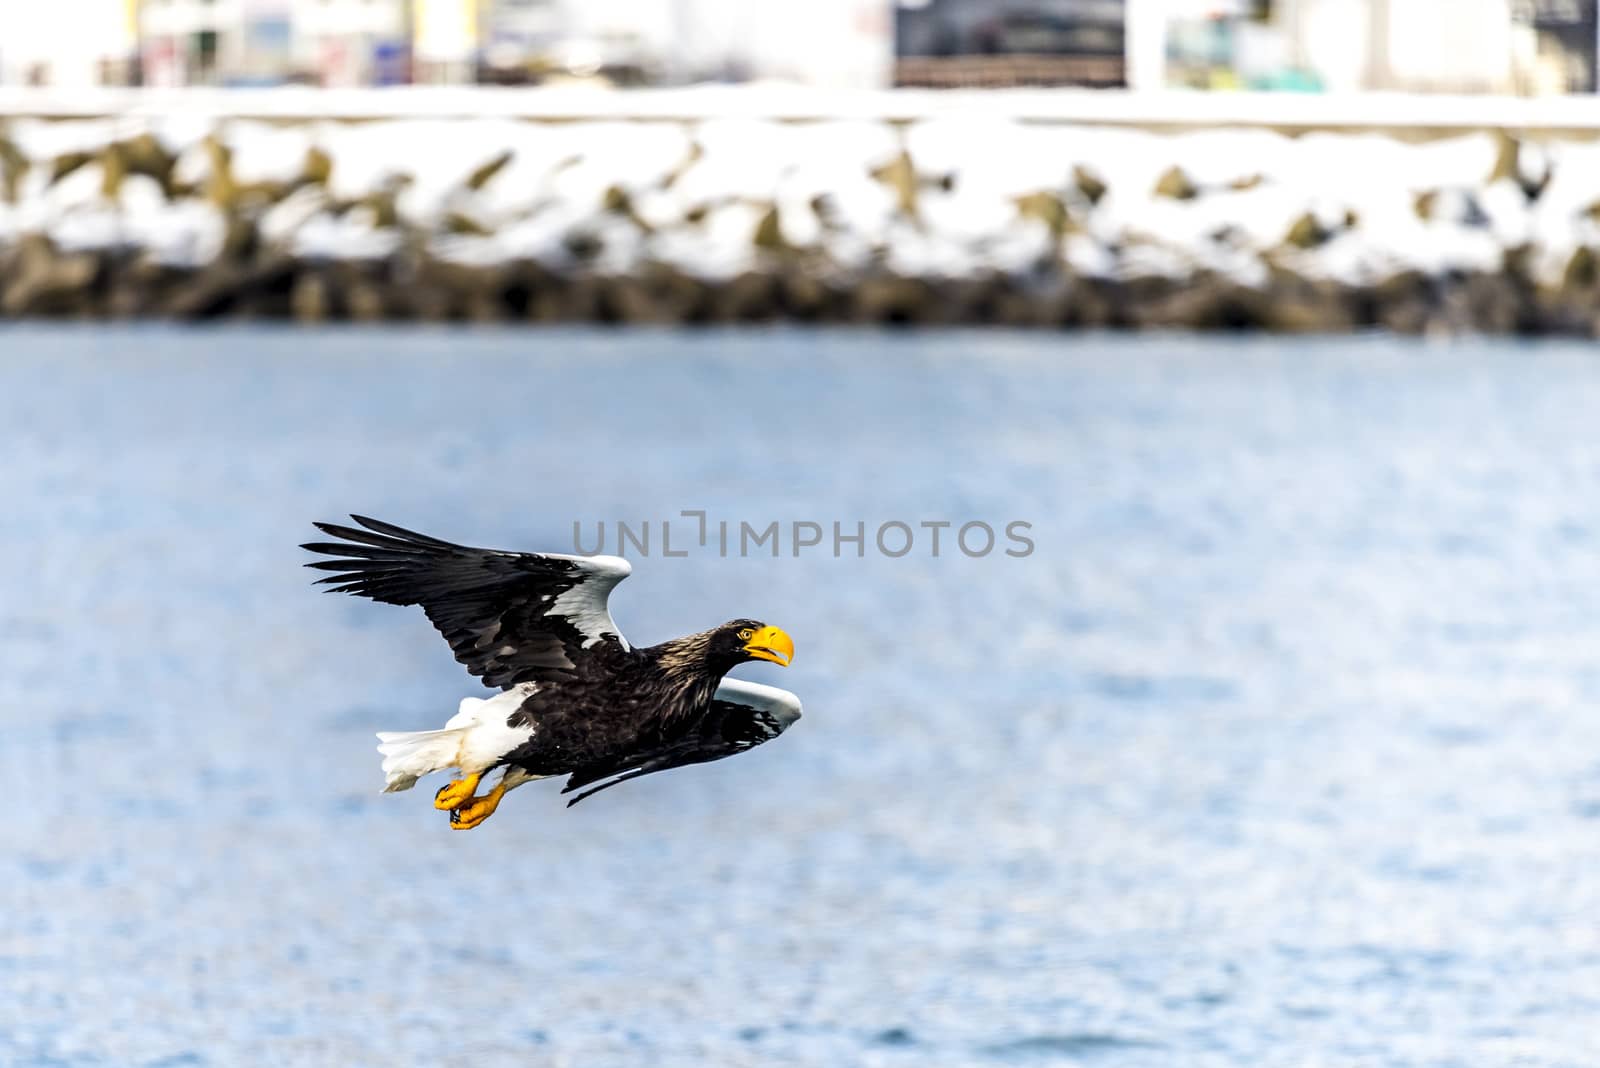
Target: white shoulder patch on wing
(584,606)
(782,704)
(609,565)
(613,566)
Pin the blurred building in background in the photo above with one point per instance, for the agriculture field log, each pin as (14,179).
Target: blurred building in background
(993,43)
(521,41)
(210,42)
(840,43)
(345,42)
(1451,46)
(1565,42)
(68,42)
(1460,46)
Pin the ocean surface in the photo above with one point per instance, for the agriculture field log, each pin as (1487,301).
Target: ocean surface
(1280,749)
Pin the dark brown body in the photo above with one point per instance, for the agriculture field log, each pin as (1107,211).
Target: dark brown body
(621,702)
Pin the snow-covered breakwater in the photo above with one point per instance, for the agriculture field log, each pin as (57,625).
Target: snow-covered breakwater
(960,218)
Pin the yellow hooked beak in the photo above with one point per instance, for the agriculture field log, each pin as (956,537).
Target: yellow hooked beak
(770,643)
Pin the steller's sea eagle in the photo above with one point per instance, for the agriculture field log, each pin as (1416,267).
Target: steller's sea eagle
(576,699)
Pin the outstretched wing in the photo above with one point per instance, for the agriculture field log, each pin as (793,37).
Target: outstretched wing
(510,617)
(742,716)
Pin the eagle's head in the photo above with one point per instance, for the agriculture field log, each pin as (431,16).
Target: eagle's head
(743,640)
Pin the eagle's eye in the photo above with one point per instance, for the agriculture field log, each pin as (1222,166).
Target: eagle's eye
(744,635)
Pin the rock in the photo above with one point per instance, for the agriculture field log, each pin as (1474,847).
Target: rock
(1582,271)
(138,285)
(990,298)
(688,299)
(413,299)
(365,301)
(751,297)
(900,175)
(891,300)
(1511,162)
(311,299)
(1404,302)
(67,163)
(1293,304)
(618,201)
(440,290)
(1507,148)
(317,168)
(576,298)
(693,156)
(1307,232)
(1089,184)
(583,245)
(382,202)
(521,281)
(1049,209)
(222,288)
(462,224)
(844,276)
(805,296)
(1207,301)
(40,280)
(241,239)
(1085,303)
(825,207)
(1456,206)
(14,167)
(1175,183)
(1013,305)
(146,155)
(628,300)
(483,306)
(219,186)
(113,169)
(481,176)
(768,235)
(1495,304)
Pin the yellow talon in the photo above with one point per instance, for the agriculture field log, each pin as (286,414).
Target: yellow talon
(455,794)
(477,810)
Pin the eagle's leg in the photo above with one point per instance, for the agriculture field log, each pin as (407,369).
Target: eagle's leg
(478,809)
(455,794)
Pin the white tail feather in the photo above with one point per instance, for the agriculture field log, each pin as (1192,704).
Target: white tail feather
(409,755)
(477,738)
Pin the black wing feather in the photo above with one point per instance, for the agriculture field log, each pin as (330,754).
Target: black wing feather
(727,729)
(496,609)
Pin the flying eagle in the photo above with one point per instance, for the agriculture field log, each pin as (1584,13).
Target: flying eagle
(576,699)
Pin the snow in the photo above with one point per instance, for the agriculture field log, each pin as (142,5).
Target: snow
(954,192)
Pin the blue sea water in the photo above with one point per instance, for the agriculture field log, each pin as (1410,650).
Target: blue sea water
(1280,750)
